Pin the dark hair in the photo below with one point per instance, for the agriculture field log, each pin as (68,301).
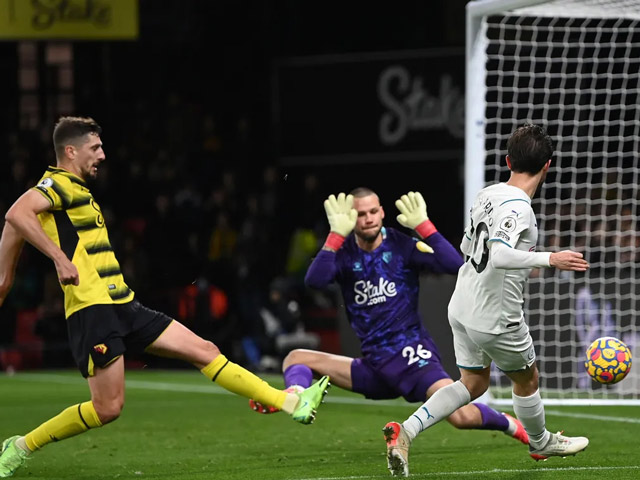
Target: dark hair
(70,130)
(529,148)
(362,192)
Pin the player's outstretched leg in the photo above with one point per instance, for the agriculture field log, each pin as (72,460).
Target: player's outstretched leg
(11,457)
(267,409)
(494,420)
(397,449)
(559,446)
(310,400)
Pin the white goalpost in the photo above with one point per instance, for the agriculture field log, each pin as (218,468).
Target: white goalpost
(572,66)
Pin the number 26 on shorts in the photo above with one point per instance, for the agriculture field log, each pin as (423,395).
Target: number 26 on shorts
(416,355)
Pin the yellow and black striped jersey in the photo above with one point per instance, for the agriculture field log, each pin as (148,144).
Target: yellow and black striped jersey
(75,223)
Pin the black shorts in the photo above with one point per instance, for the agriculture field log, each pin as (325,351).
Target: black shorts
(101,333)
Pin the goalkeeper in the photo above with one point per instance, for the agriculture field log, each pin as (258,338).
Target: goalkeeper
(378,270)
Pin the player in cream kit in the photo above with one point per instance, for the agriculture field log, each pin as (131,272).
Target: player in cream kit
(486,309)
(489,297)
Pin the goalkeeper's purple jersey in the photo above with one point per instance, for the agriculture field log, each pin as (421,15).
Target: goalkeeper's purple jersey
(380,288)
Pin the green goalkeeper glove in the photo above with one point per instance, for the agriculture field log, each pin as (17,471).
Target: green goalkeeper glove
(341,214)
(413,210)
(413,214)
(342,219)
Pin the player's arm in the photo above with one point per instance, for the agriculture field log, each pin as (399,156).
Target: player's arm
(505,257)
(342,219)
(23,217)
(322,271)
(443,258)
(439,255)
(10,247)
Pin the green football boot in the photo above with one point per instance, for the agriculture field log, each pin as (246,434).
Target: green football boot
(310,399)
(11,457)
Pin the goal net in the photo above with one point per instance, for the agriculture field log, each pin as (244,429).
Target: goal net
(573,67)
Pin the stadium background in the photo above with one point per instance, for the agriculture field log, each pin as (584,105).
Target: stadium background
(226,124)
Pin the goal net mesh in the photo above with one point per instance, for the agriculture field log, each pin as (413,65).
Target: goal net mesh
(574,68)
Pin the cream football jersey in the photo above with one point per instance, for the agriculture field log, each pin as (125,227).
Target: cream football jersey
(489,299)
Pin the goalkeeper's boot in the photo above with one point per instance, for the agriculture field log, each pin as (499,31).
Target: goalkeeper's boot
(516,429)
(266,409)
(397,449)
(309,401)
(559,446)
(11,457)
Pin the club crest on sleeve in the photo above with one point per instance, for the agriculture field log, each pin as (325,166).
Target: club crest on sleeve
(508,224)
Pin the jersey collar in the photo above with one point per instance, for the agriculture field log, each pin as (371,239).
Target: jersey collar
(72,176)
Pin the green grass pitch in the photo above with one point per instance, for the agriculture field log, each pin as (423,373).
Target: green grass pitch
(177,425)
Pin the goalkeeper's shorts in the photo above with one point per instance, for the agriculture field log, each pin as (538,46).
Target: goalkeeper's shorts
(408,374)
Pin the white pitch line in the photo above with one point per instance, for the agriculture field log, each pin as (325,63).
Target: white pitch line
(216,390)
(485,472)
(210,388)
(592,417)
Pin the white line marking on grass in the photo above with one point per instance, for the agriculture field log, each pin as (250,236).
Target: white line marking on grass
(210,388)
(139,384)
(216,390)
(592,417)
(485,472)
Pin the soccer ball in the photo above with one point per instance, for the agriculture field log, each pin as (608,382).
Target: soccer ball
(608,360)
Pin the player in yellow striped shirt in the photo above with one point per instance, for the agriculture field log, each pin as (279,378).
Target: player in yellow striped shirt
(60,217)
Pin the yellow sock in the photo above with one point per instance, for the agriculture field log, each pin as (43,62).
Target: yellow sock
(241,381)
(72,421)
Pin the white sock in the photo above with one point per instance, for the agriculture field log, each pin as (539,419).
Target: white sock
(20,443)
(290,403)
(294,389)
(530,411)
(441,404)
(511,429)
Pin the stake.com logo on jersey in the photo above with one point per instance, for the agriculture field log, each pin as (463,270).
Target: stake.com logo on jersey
(367,292)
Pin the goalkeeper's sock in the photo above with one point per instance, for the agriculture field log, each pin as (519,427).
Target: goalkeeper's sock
(298,374)
(441,404)
(236,379)
(530,411)
(491,419)
(71,421)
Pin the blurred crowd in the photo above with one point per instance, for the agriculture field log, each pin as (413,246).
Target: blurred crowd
(200,232)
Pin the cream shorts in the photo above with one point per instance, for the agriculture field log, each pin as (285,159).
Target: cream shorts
(511,351)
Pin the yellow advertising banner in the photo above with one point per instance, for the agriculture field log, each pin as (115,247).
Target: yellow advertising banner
(68,19)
